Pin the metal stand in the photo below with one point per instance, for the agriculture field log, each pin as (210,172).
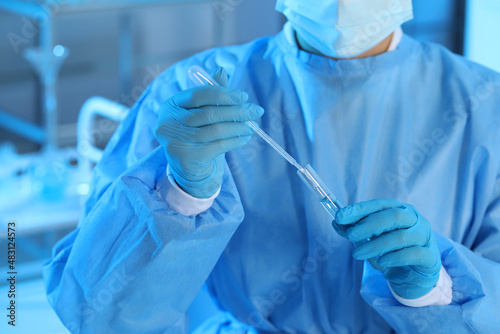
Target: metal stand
(47,62)
(48,58)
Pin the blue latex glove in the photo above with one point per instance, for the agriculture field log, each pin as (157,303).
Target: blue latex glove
(398,240)
(197,126)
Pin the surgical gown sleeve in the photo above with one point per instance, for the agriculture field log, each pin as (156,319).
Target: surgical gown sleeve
(475,274)
(134,264)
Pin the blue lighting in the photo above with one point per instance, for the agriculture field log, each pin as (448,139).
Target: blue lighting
(59,50)
(482,29)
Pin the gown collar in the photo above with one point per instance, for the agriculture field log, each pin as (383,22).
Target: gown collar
(288,44)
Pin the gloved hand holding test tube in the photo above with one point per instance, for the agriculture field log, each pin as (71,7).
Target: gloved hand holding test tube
(307,174)
(200,77)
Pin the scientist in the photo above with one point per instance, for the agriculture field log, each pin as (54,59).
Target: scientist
(184,197)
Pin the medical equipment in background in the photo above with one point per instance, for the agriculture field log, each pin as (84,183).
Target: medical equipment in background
(307,174)
(52,184)
(47,57)
(95,106)
(53,175)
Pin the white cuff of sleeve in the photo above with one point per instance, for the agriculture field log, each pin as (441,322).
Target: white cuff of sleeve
(441,294)
(182,202)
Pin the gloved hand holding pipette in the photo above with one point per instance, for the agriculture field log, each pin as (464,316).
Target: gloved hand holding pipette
(197,126)
(307,174)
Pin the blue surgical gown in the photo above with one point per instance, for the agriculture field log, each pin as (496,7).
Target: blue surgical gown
(419,125)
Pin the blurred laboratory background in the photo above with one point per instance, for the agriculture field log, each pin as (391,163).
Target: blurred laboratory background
(69,71)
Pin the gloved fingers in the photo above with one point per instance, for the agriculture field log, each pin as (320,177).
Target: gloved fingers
(382,222)
(190,154)
(375,264)
(391,242)
(373,260)
(218,131)
(212,114)
(175,131)
(353,213)
(412,256)
(208,96)
(220,75)
(340,229)
(226,145)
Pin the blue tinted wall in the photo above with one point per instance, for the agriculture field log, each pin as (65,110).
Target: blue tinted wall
(440,21)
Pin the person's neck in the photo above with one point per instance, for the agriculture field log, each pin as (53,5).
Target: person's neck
(378,49)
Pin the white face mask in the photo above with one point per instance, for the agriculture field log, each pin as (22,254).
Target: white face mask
(345,28)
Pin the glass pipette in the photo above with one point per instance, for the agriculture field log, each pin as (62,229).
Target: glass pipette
(200,77)
(307,174)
